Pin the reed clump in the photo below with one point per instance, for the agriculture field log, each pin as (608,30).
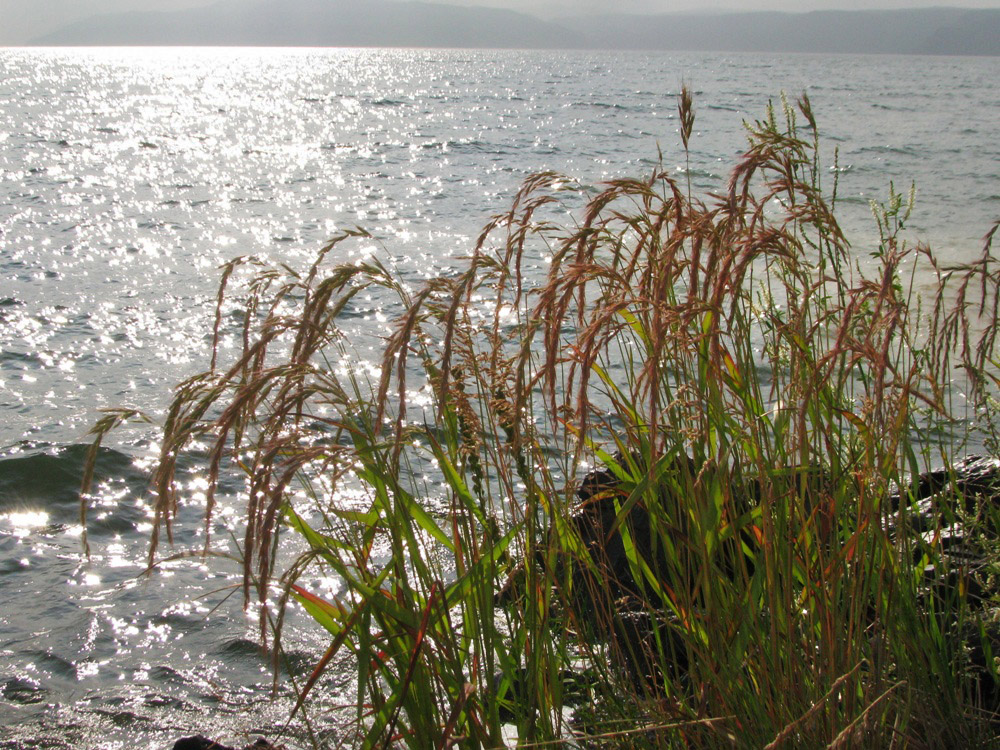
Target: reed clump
(721,377)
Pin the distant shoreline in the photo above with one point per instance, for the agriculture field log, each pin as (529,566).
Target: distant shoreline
(417,48)
(394,24)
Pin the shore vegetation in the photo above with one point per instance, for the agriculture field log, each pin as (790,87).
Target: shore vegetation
(663,494)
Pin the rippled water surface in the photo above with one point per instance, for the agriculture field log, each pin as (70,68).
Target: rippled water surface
(128,176)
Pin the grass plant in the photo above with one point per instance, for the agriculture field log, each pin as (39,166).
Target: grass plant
(759,395)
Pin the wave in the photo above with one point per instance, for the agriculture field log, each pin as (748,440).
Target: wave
(50,481)
(902,150)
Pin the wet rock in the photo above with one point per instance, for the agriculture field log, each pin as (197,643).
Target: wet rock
(941,501)
(938,505)
(971,480)
(956,510)
(595,520)
(978,661)
(200,742)
(954,514)
(638,637)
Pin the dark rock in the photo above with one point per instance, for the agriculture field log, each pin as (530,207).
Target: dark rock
(938,500)
(595,520)
(955,515)
(977,661)
(955,511)
(198,742)
(597,526)
(972,479)
(937,505)
(638,637)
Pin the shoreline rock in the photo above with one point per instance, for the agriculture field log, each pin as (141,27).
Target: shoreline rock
(200,742)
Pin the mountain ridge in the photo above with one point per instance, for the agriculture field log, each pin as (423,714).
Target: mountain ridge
(333,23)
(943,31)
(391,23)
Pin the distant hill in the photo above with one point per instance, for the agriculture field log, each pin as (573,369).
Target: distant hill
(326,23)
(391,23)
(936,31)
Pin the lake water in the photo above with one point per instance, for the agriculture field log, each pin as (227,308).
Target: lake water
(127,177)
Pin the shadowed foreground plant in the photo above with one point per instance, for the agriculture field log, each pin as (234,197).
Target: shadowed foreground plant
(756,399)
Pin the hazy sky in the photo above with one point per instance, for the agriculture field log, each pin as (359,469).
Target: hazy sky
(21,20)
(555,7)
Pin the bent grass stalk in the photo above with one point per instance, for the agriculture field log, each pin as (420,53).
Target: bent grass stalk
(748,385)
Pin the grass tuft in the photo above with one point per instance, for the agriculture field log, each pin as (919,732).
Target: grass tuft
(659,496)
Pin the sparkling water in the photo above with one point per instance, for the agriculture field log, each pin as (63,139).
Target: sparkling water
(128,177)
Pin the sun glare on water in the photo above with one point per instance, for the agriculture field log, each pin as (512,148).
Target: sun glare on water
(25,521)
